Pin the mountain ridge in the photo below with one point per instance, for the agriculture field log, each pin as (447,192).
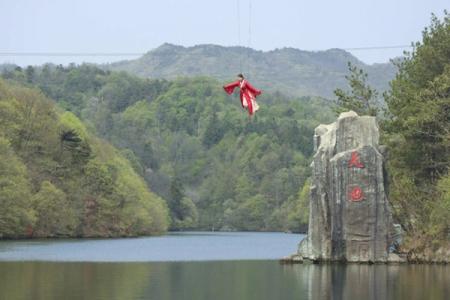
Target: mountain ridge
(289,70)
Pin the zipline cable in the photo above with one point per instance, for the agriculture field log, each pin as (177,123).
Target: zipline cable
(238,11)
(249,35)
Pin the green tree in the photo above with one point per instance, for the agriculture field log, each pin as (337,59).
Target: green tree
(299,216)
(189,215)
(362,98)
(30,73)
(16,214)
(214,132)
(176,196)
(55,216)
(418,131)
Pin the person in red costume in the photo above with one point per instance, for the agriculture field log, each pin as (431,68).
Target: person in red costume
(248,93)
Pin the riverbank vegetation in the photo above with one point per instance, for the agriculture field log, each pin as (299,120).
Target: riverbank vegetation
(59,180)
(194,145)
(416,128)
(418,136)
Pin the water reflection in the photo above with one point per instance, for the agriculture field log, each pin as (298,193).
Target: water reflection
(33,280)
(220,280)
(370,282)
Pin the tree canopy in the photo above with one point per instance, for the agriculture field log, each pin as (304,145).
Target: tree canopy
(58,179)
(194,145)
(418,134)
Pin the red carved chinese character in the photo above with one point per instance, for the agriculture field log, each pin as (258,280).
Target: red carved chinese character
(356,194)
(354,161)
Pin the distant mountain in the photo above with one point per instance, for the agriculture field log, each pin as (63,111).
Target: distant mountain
(289,70)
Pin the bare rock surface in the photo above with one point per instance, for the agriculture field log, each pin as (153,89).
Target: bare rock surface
(350,219)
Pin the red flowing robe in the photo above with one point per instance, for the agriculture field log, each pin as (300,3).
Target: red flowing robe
(248,94)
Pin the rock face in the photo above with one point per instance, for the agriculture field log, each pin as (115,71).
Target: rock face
(350,219)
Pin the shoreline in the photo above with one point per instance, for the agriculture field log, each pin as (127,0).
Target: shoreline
(401,259)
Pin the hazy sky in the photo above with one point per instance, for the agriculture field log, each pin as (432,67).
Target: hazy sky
(139,26)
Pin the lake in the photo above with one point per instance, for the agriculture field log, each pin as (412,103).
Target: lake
(200,266)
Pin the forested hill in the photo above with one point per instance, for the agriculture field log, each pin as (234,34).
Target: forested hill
(195,145)
(59,180)
(291,71)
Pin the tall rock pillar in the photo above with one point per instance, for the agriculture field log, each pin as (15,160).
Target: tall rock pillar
(350,219)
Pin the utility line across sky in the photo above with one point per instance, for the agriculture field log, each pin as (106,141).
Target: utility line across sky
(105,54)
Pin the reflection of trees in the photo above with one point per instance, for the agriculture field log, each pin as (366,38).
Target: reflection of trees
(250,280)
(46,281)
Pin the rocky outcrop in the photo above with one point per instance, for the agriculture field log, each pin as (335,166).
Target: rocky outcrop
(350,219)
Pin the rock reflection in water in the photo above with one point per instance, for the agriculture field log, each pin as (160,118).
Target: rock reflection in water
(370,282)
(221,280)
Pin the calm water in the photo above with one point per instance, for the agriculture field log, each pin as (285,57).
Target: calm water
(184,246)
(96,269)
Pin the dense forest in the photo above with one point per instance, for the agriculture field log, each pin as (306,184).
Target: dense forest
(195,146)
(57,179)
